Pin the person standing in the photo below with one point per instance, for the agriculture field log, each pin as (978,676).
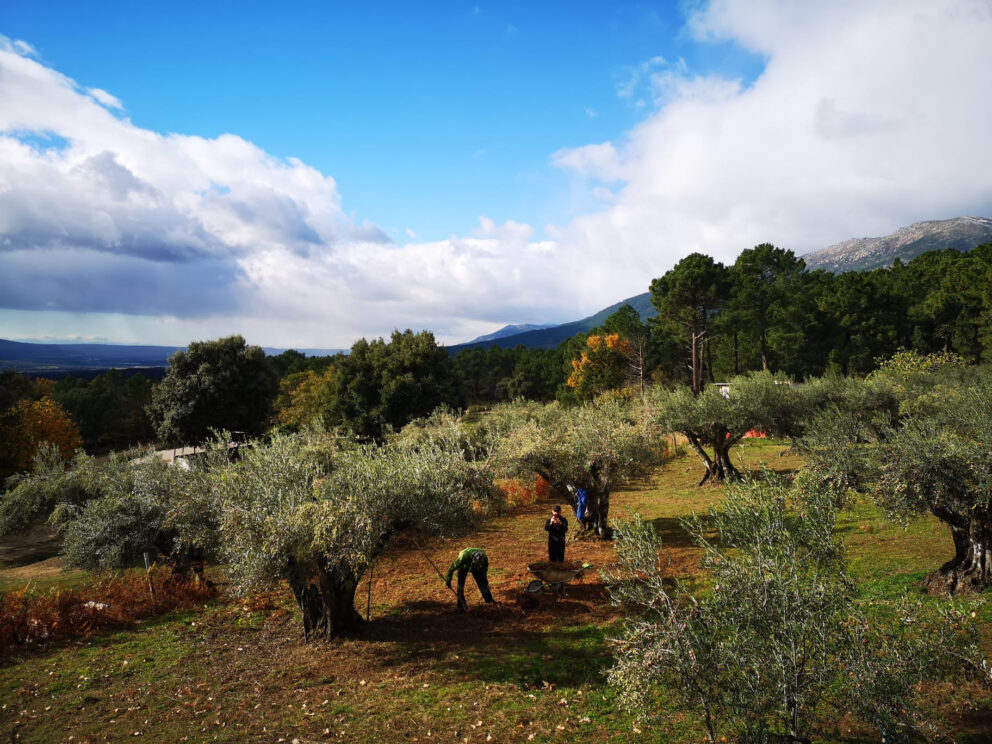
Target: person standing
(556,527)
(474,561)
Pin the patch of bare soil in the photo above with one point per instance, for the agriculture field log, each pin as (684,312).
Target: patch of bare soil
(405,581)
(38,544)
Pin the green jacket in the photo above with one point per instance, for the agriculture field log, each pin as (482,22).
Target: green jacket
(463,559)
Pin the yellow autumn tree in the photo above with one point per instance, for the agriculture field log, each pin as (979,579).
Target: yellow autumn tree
(602,366)
(29,423)
(305,396)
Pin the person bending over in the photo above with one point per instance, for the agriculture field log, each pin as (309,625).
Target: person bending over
(472,560)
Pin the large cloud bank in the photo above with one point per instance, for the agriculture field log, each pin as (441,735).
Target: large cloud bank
(866,117)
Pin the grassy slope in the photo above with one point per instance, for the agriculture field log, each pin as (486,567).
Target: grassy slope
(237,671)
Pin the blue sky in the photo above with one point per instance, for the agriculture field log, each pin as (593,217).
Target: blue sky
(425,118)
(308,173)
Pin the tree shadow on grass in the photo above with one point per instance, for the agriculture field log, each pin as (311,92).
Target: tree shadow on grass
(671,532)
(559,642)
(759,473)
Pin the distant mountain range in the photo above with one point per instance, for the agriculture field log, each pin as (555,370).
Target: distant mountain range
(859,254)
(550,336)
(41,359)
(512,330)
(862,254)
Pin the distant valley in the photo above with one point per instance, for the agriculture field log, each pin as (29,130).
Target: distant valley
(84,359)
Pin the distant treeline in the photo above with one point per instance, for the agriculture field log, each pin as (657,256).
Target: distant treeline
(151,373)
(765,311)
(104,413)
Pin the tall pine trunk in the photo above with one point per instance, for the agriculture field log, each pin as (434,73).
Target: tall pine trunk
(696,386)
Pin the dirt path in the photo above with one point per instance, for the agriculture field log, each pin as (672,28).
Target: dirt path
(48,569)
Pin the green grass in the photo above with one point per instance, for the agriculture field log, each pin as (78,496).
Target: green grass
(45,583)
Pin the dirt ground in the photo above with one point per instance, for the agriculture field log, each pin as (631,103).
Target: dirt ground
(405,585)
(404,582)
(39,544)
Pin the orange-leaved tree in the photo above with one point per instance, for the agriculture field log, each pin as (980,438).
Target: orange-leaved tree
(604,365)
(29,423)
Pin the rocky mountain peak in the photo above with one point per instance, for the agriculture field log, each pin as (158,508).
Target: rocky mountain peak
(859,254)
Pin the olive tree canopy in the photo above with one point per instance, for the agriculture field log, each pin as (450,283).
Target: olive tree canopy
(717,419)
(593,446)
(929,455)
(318,515)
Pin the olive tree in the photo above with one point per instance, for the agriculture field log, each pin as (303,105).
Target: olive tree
(32,497)
(779,643)
(593,446)
(715,420)
(146,506)
(316,516)
(110,513)
(939,462)
(931,457)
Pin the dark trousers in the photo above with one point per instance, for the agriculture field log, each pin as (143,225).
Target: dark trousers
(556,551)
(479,567)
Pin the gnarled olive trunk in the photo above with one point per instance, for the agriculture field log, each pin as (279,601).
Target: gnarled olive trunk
(719,465)
(325,593)
(600,522)
(597,512)
(191,564)
(970,570)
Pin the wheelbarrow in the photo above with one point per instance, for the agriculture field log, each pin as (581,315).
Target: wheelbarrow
(552,576)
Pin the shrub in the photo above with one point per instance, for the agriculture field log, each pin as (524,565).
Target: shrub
(517,492)
(117,601)
(779,639)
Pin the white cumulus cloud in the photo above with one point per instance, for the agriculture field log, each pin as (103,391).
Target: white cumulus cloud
(601,161)
(103,97)
(866,117)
